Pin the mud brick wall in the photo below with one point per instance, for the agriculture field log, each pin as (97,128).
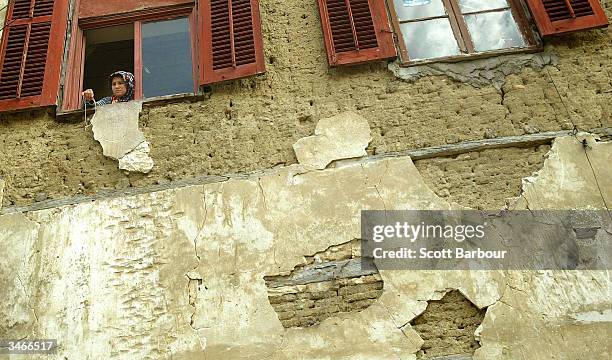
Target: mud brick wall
(307,305)
(447,326)
(251,124)
(484,179)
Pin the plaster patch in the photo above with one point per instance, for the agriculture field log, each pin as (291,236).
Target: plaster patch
(115,127)
(339,137)
(138,159)
(479,72)
(112,272)
(589,317)
(570,165)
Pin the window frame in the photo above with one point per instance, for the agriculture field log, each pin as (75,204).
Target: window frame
(461,34)
(76,59)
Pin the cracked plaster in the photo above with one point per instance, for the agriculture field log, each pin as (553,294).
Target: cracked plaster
(175,273)
(138,159)
(115,127)
(478,72)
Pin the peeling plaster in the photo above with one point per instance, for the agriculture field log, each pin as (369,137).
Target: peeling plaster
(339,137)
(137,159)
(115,127)
(479,72)
(590,317)
(117,275)
(574,176)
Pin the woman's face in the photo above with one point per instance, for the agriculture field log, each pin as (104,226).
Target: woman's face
(119,87)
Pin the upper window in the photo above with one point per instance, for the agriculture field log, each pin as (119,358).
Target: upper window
(171,46)
(434,29)
(357,31)
(159,53)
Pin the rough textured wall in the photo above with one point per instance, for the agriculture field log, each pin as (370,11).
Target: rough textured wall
(484,179)
(447,326)
(180,273)
(251,124)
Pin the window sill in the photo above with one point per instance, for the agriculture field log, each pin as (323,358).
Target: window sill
(74,116)
(468,57)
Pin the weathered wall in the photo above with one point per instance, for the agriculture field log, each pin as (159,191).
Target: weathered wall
(251,124)
(181,273)
(483,179)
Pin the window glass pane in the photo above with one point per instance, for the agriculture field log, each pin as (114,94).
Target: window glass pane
(494,30)
(418,9)
(429,39)
(480,5)
(166,58)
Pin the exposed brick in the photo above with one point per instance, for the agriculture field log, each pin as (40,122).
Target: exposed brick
(373,294)
(282,298)
(447,326)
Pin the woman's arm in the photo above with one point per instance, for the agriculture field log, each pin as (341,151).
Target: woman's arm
(90,101)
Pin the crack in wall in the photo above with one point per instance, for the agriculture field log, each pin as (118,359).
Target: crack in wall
(597,182)
(478,72)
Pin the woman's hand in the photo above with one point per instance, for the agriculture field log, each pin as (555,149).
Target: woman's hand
(88,94)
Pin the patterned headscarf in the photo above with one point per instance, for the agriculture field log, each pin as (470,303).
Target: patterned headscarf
(129,84)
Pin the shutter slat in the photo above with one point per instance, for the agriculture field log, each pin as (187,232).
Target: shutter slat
(356,31)
(21,9)
(232,37)
(11,69)
(43,7)
(36,57)
(557,17)
(30,72)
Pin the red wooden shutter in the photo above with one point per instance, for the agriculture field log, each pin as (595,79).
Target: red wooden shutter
(232,44)
(555,17)
(31,53)
(356,31)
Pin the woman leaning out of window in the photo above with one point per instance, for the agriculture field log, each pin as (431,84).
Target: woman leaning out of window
(122,86)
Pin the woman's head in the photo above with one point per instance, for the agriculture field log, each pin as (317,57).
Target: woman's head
(118,86)
(122,85)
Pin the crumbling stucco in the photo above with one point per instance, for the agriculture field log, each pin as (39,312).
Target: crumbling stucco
(115,127)
(480,72)
(447,326)
(325,284)
(180,273)
(340,137)
(251,124)
(482,179)
(137,159)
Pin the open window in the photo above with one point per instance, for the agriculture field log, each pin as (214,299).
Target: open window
(171,46)
(107,50)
